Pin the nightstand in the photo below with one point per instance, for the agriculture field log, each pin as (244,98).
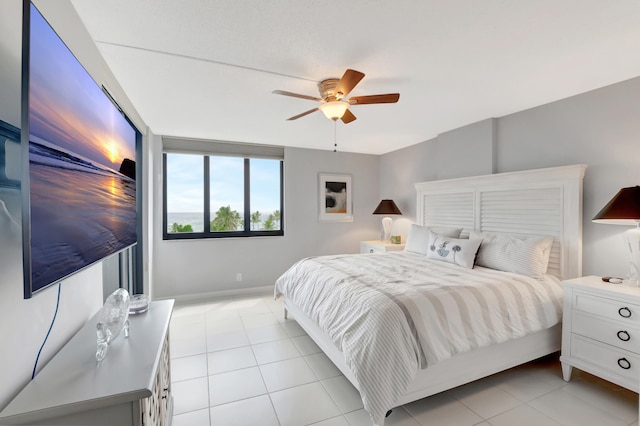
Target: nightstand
(601,330)
(377,246)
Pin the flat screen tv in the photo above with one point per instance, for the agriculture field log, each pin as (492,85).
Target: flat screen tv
(79,162)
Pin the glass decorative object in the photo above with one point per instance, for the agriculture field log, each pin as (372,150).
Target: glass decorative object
(139,304)
(113,318)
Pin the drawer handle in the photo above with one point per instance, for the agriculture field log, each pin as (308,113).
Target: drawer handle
(624,312)
(624,336)
(624,363)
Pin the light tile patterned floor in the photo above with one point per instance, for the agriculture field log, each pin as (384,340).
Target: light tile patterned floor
(237,361)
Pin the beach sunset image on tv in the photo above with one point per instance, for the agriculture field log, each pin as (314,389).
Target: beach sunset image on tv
(81,163)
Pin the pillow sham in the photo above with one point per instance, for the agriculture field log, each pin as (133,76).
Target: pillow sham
(522,255)
(418,237)
(458,251)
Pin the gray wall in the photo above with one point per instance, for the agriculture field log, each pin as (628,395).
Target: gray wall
(24,323)
(399,170)
(466,151)
(186,269)
(600,129)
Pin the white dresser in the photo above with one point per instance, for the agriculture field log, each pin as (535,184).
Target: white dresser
(377,246)
(131,386)
(601,330)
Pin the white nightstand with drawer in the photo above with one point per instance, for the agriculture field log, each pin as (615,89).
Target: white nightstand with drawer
(377,246)
(601,330)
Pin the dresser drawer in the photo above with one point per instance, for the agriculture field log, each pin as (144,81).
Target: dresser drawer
(617,361)
(612,309)
(614,333)
(379,247)
(371,248)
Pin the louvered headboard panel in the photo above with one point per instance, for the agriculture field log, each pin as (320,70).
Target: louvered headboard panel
(525,212)
(454,209)
(529,203)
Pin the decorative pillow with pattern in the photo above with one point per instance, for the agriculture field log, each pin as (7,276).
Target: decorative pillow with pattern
(418,237)
(522,255)
(458,251)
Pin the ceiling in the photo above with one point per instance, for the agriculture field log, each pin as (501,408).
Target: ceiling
(206,68)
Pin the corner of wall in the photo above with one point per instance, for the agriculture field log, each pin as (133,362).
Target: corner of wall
(467,151)
(494,144)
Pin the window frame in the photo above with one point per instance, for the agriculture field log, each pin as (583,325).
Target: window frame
(207,233)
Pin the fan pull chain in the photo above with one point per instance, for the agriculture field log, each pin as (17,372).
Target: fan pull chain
(335,131)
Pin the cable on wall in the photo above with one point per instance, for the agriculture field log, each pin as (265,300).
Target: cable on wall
(35,366)
(3,208)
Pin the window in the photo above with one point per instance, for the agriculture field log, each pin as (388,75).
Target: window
(221,194)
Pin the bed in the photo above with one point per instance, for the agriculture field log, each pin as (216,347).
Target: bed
(372,314)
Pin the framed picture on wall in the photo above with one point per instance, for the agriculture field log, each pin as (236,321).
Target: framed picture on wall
(335,198)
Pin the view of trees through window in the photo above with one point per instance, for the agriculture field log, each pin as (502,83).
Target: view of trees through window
(240,196)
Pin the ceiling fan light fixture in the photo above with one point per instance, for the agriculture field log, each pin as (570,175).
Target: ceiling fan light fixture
(333,93)
(334,110)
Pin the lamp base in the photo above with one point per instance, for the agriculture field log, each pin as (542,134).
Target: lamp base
(632,239)
(386,229)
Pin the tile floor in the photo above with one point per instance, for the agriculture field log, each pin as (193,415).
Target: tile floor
(237,361)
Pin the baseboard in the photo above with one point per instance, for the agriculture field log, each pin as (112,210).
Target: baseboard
(203,297)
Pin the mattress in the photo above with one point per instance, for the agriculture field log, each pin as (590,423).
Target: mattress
(392,314)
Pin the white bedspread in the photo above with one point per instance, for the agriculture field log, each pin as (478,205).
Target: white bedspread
(393,313)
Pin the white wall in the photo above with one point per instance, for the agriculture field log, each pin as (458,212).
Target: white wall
(24,323)
(600,128)
(195,267)
(148,173)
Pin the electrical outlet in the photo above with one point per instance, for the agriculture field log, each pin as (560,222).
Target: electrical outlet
(239,276)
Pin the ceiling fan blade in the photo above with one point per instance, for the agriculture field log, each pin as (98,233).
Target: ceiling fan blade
(295,117)
(348,81)
(389,98)
(347,117)
(296,95)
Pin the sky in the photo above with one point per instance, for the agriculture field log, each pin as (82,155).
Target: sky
(186,176)
(68,108)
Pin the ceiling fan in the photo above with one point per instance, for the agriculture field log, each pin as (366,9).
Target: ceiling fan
(333,95)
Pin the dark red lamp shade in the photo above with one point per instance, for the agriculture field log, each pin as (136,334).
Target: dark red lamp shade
(387,207)
(623,209)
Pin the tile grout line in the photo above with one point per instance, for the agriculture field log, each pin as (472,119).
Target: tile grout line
(599,407)
(497,414)
(206,348)
(180,381)
(273,407)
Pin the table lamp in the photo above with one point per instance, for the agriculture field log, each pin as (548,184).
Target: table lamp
(624,209)
(386,207)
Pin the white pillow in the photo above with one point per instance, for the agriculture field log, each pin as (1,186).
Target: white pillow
(522,255)
(458,251)
(418,237)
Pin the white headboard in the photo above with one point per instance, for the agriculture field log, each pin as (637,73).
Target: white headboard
(530,202)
